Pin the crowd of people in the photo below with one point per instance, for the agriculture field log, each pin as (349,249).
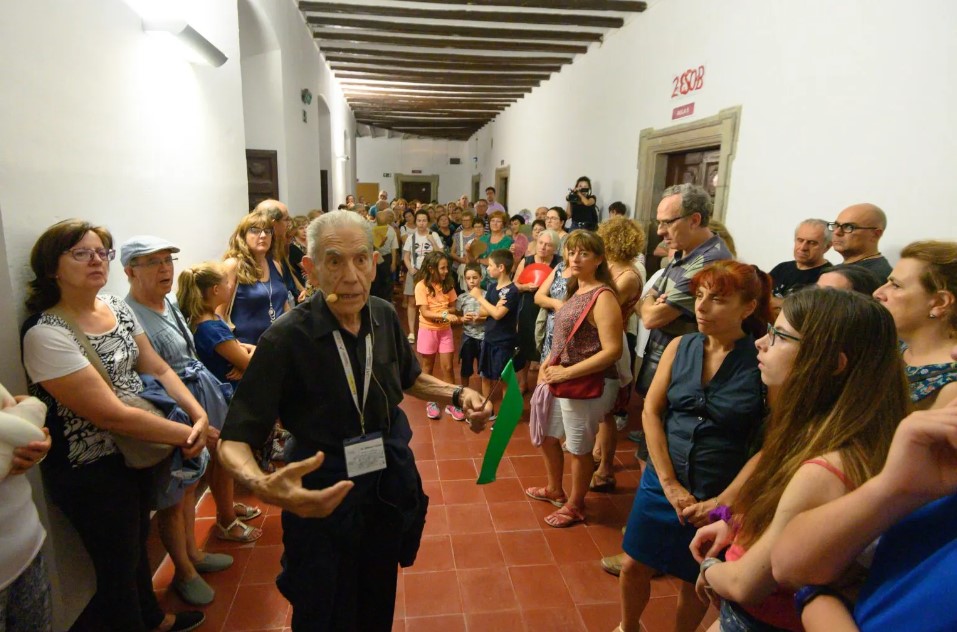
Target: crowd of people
(798,427)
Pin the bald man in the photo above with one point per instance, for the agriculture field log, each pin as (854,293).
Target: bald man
(857,231)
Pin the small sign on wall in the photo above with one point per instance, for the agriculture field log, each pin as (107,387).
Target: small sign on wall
(682,111)
(416,171)
(386,175)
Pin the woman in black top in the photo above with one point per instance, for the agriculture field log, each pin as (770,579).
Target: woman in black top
(582,205)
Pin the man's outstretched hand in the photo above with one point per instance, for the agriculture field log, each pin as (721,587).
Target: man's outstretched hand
(283,488)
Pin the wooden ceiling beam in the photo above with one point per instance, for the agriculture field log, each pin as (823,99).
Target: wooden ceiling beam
(445,30)
(401,110)
(500,17)
(360,92)
(624,6)
(446,42)
(441,75)
(438,80)
(345,63)
(440,122)
(342,51)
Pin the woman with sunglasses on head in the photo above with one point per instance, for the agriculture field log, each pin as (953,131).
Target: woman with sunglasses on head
(833,356)
(921,295)
(701,417)
(259,295)
(107,502)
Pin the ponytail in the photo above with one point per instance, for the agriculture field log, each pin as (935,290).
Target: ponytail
(192,285)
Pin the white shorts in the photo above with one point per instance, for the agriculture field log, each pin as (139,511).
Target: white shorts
(577,419)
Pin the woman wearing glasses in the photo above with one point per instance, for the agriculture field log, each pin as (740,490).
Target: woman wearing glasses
(259,295)
(701,417)
(833,356)
(107,502)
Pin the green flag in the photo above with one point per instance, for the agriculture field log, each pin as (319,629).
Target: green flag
(508,415)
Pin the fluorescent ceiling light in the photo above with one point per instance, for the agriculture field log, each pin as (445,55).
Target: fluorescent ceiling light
(192,44)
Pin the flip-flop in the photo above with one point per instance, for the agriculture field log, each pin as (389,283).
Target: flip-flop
(248,534)
(195,592)
(540,493)
(248,511)
(213,562)
(564,517)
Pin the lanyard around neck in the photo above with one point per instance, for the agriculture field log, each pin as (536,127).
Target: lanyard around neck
(351,378)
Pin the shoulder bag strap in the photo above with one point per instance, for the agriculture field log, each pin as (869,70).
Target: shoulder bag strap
(181,326)
(85,344)
(578,323)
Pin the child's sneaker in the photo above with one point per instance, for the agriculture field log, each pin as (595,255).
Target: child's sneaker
(432,410)
(455,413)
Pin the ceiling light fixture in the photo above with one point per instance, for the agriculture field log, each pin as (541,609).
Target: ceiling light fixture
(161,21)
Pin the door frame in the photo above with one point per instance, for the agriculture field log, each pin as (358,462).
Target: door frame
(475,191)
(501,174)
(655,145)
(433,179)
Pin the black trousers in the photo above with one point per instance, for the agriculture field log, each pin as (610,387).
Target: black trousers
(384,282)
(344,582)
(109,506)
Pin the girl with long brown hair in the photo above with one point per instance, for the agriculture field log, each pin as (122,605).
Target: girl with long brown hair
(435,298)
(259,295)
(833,355)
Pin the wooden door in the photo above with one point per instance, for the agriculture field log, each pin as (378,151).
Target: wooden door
(262,175)
(324,188)
(421,191)
(368,192)
(698,166)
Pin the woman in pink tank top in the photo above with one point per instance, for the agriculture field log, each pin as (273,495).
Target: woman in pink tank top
(831,357)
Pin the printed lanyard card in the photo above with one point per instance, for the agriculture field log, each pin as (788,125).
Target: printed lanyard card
(365,454)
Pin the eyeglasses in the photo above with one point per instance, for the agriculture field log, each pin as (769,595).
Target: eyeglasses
(775,333)
(257,230)
(85,255)
(155,263)
(848,227)
(666,223)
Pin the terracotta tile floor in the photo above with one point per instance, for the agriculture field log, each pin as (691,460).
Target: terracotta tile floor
(487,562)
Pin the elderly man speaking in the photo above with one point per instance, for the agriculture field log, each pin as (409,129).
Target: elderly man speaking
(334,370)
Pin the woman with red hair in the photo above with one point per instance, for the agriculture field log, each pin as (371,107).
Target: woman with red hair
(701,417)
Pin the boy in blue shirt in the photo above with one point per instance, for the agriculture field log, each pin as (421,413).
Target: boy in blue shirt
(500,303)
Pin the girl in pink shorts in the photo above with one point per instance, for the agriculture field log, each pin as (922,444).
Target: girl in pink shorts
(435,299)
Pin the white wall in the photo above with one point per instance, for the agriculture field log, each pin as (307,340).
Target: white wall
(395,155)
(842,103)
(300,145)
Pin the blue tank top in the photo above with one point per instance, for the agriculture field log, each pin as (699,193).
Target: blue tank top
(250,312)
(710,428)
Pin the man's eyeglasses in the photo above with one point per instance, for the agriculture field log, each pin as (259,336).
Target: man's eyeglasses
(848,227)
(85,255)
(666,223)
(155,263)
(257,230)
(775,333)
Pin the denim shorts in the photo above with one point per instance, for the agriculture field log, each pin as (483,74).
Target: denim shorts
(734,619)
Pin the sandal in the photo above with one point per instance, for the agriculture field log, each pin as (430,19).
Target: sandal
(246,512)
(541,493)
(564,517)
(602,484)
(249,534)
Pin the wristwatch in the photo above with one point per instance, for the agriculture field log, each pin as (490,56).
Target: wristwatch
(457,397)
(445,316)
(806,594)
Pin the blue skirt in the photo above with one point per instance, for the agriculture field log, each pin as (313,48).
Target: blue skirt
(654,536)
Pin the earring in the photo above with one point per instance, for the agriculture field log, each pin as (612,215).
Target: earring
(933,315)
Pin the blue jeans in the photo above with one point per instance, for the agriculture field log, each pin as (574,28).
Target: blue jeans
(734,619)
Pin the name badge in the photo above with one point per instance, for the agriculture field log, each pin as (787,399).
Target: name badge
(364,454)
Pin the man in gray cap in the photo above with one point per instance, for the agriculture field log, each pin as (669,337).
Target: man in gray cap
(148,263)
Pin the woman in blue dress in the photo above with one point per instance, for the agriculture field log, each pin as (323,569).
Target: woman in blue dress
(702,414)
(260,295)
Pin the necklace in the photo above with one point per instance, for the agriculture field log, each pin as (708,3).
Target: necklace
(271,311)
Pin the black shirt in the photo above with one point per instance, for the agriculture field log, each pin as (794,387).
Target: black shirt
(787,277)
(878,265)
(296,375)
(584,216)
